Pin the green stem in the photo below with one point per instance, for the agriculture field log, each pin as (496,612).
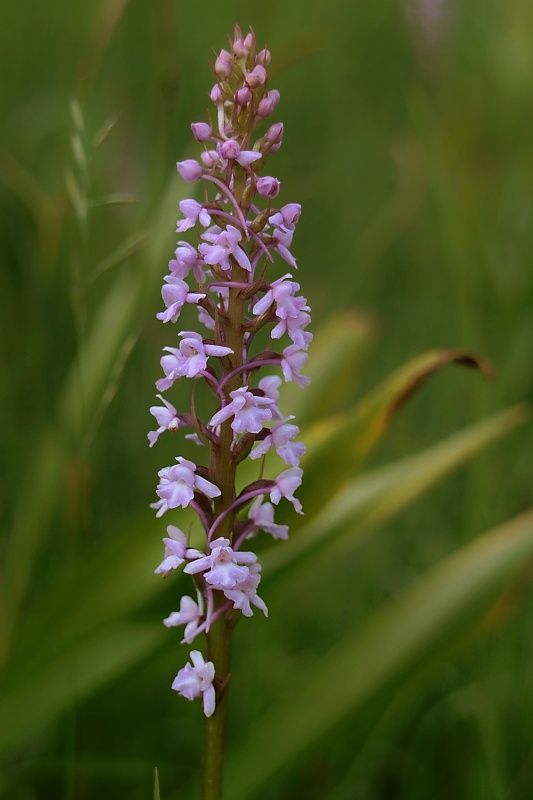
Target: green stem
(219,652)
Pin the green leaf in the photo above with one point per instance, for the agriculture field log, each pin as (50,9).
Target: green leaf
(114,580)
(44,476)
(338,445)
(369,500)
(404,635)
(125,250)
(68,679)
(87,391)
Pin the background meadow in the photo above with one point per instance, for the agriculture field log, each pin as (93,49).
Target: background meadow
(396,662)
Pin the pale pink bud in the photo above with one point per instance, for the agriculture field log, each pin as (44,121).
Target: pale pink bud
(216,95)
(257,77)
(274,136)
(264,58)
(239,48)
(201,131)
(223,64)
(249,41)
(268,103)
(190,170)
(229,149)
(243,96)
(209,158)
(267,186)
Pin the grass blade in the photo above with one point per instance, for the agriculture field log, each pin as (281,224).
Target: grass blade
(404,635)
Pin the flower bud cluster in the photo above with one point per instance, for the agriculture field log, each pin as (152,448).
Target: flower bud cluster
(236,236)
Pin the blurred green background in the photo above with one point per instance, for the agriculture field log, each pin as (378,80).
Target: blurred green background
(408,131)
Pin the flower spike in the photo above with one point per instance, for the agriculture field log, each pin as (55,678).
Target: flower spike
(237,235)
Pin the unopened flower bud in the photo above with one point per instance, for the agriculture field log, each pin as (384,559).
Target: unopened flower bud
(229,149)
(209,158)
(201,131)
(268,103)
(243,96)
(216,95)
(264,58)
(257,77)
(274,136)
(267,186)
(190,170)
(223,64)
(249,41)
(239,48)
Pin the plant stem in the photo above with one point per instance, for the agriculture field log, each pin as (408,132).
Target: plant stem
(219,652)
(222,472)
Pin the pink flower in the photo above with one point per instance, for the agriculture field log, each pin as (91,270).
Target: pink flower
(176,551)
(250,411)
(187,259)
(167,419)
(269,385)
(292,362)
(190,615)
(245,592)
(224,245)
(193,212)
(178,484)
(176,294)
(189,360)
(223,567)
(287,216)
(289,308)
(197,681)
(285,485)
(262,515)
(281,437)
(294,326)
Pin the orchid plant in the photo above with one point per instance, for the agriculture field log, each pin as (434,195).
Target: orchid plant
(240,231)
(93,595)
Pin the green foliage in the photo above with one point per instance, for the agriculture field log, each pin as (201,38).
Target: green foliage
(397,629)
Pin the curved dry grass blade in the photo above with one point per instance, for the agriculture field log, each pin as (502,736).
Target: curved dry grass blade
(365,502)
(348,438)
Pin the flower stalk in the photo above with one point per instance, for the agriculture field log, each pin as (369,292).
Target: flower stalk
(239,234)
